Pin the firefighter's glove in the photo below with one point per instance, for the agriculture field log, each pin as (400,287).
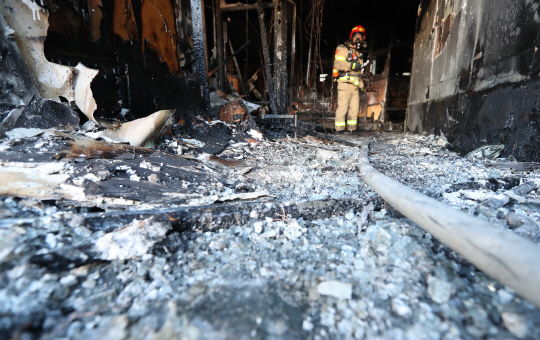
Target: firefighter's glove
(355,66)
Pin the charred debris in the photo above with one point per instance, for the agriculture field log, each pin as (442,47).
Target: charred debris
(138,92)
(118,80)
(166,171)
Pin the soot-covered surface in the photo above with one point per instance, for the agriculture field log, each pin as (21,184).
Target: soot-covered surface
(475,75)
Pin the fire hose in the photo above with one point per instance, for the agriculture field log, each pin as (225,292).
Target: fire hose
(505,256)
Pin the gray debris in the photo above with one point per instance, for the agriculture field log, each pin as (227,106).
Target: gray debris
(132,241)
(400,308)
(530,231)
(486,152)
(44,114)
(365,272)
(24,133)
(515,324)
(439,290)
(336,289)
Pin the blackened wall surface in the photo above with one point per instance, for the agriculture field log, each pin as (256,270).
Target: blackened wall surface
(476,74)
(16,86)
(130,77)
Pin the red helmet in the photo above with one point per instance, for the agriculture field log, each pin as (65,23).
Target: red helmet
(358,29)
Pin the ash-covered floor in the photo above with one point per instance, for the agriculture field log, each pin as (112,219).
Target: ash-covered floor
(272,239)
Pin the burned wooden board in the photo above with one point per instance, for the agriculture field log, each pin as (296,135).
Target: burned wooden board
(213,217)
(159,30)
(85,172)
(124,23)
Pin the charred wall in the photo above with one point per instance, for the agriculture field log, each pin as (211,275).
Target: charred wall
(135,52)
(475,74)
(16,87)
(141,64)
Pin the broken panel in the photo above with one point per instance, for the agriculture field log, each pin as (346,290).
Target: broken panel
(29,22)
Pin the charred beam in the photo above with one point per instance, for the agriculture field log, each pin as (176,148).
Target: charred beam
(293,53)
(197,7)
(212,217)
(222,76)
(243,7)
(280,54)
(266,54)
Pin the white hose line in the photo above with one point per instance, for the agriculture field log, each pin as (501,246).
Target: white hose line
(507,257)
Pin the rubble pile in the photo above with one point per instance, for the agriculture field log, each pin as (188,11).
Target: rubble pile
(264,239)
(492,190)
(301,170)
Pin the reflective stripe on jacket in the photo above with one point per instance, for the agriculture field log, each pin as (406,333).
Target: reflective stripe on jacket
(351,79)
(342,63)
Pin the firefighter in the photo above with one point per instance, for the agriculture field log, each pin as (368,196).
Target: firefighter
(347,70)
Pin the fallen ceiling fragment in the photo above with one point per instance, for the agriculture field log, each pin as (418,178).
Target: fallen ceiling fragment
(140,132)
(39,182)
(30,24)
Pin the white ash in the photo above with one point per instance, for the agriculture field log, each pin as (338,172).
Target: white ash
(365,275)
(132,241)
